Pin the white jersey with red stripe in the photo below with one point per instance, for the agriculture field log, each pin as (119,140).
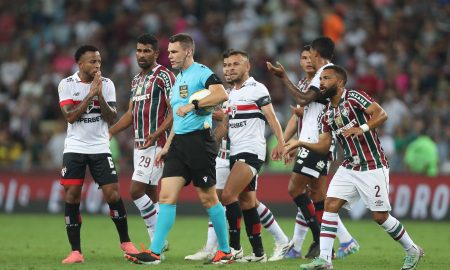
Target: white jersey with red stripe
(224,146)
(89,133)
(246,122)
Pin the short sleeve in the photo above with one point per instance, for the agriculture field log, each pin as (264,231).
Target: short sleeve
(359,99)
(167,80)
(204,73)
(65,96)
(110,93)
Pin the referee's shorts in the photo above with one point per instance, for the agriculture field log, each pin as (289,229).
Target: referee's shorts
(193,157)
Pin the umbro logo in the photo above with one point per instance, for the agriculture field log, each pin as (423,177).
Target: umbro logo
(320,165)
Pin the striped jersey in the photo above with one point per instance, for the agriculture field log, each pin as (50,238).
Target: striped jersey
(364,152)
(149,93)
(246,122)
(89,133)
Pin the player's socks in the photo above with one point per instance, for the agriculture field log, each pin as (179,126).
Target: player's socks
(318,209)
(396,230)
(253,228)
(300,231)
(271,225)
(148,212)
(328,234)
(119,217)
(234,216)
(217,217)
(211,241)
(166,219)
(307,207)
(73,222)
(342,232)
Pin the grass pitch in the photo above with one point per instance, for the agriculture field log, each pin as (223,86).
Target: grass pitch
(32,242)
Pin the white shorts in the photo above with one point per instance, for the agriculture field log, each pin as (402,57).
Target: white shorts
(371,186)
(145,170)
(222,172)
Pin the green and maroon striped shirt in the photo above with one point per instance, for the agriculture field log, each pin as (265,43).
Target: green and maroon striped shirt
(363,152)
(149,93)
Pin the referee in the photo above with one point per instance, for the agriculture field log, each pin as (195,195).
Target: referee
(190,151)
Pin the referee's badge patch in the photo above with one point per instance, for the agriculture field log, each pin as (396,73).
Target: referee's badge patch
(183,91)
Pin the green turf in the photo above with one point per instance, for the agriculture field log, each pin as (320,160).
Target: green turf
(39,242)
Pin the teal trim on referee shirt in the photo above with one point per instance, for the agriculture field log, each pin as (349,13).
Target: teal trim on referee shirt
(188,82)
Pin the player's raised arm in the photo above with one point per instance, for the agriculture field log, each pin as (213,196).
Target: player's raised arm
(301,98)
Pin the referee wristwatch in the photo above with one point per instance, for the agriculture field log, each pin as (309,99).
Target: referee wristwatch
(195,102)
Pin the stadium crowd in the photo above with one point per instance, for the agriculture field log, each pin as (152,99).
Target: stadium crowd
(397,51)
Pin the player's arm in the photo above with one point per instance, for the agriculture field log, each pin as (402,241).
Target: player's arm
(321,147)
(165,125)
(301,98)
(221,130)
(108,109)
(73,112)
(377,117)
(159,159)
(269,113)
(124,122)
(291,128)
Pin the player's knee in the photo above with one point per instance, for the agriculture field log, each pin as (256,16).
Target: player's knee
(294,190)
(72,194)
(380,217)
(228,197)
(111,196)
(137,191)
(333,204)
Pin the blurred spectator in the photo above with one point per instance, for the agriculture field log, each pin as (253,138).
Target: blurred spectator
(422,156)
(397,50)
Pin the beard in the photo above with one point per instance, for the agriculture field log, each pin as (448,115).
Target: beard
(144,65)
(330,91)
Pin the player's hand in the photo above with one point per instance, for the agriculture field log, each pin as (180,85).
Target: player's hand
(183,110)
(278,151)
(298,111)
(96,84)
(352,132)
(149,141)
(218,114)
(159,159)
(278,71)
(290,156)
(291,146)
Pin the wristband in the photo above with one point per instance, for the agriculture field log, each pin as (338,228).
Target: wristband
(365,127)
(195,102)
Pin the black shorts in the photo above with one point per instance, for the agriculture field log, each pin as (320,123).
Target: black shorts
(193,157)
(251,160)
(101,166)
(311,164)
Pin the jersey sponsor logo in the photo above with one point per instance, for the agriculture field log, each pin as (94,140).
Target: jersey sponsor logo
(142,97)
(183,91)
(90,119)
(358,97)
(320,165)
(239,124)
(349,125)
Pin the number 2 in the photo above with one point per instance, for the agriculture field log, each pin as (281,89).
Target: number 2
(377,194)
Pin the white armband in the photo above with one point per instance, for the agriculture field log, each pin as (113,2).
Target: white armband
(365,127)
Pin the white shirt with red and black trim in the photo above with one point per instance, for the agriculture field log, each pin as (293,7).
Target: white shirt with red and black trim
(89,133)
(246,122)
